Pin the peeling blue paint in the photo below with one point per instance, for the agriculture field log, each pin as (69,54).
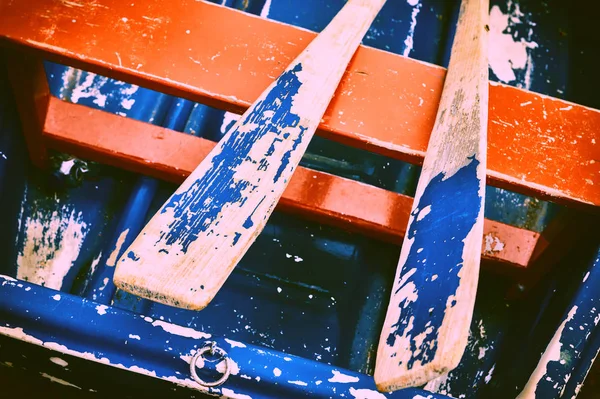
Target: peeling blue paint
(454,204)
(197,209)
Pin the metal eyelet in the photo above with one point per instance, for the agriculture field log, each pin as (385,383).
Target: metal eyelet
(213,349)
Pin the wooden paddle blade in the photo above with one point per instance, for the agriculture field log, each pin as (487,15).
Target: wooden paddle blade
(188,249)
(427,322)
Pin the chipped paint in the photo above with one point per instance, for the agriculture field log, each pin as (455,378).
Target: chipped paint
(342,378)
(178,330)
(276,372)
(366,394)
(90,88)
(112,259)
(101,309)
(492,243)
(56,297)
(413,336)
(235,344)
(133,336)
(409,41)
(509,53)
(51,244)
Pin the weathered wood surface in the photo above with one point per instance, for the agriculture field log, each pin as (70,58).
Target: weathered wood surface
(428,318)
(188,249)
(537,145)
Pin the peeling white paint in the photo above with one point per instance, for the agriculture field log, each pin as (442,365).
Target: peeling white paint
(507,53)
(342,378)
(366,394)
(179,330)
(493,243)
(101,309)
(133,336)
(276,372)
(51,244)
(56,297)
(229,393)
(59,381)
(112,259)
(235,344)
(409,41)
(90,88)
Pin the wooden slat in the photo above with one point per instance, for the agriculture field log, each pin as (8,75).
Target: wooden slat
(329,199)
(386,103)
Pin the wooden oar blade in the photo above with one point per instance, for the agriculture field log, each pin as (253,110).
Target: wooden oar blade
(427,323)
(188,249)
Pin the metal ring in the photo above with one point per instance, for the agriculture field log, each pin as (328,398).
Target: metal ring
(213,349)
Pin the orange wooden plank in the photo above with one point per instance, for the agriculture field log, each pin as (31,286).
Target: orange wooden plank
(329,199)
(386,103)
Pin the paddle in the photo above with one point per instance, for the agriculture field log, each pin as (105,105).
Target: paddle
(188,249)
(427,322)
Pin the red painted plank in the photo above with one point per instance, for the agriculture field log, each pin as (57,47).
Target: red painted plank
(329,199)
(386,103)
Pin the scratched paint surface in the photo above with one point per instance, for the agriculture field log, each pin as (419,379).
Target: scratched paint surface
(438,230)
(197,209)
(163,350)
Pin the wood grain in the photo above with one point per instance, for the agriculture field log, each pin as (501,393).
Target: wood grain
(427,323)
(188,249)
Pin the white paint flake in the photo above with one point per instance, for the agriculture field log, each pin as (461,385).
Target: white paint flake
(90,88)
(342,378)
(101,309)
(56,297)
(179,330)
(58,380)
(507,52)
(52,241)
(235,344)
(229,393)
(59,361)
(112,259)
(493,243)
(409,42)
(127,103)
(133,336)
(366,394)
(276,372)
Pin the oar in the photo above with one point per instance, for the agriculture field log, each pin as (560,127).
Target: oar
(574,337)
(188,249)
(427,322)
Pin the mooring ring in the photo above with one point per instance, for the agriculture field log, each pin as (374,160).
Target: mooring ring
(214,350)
